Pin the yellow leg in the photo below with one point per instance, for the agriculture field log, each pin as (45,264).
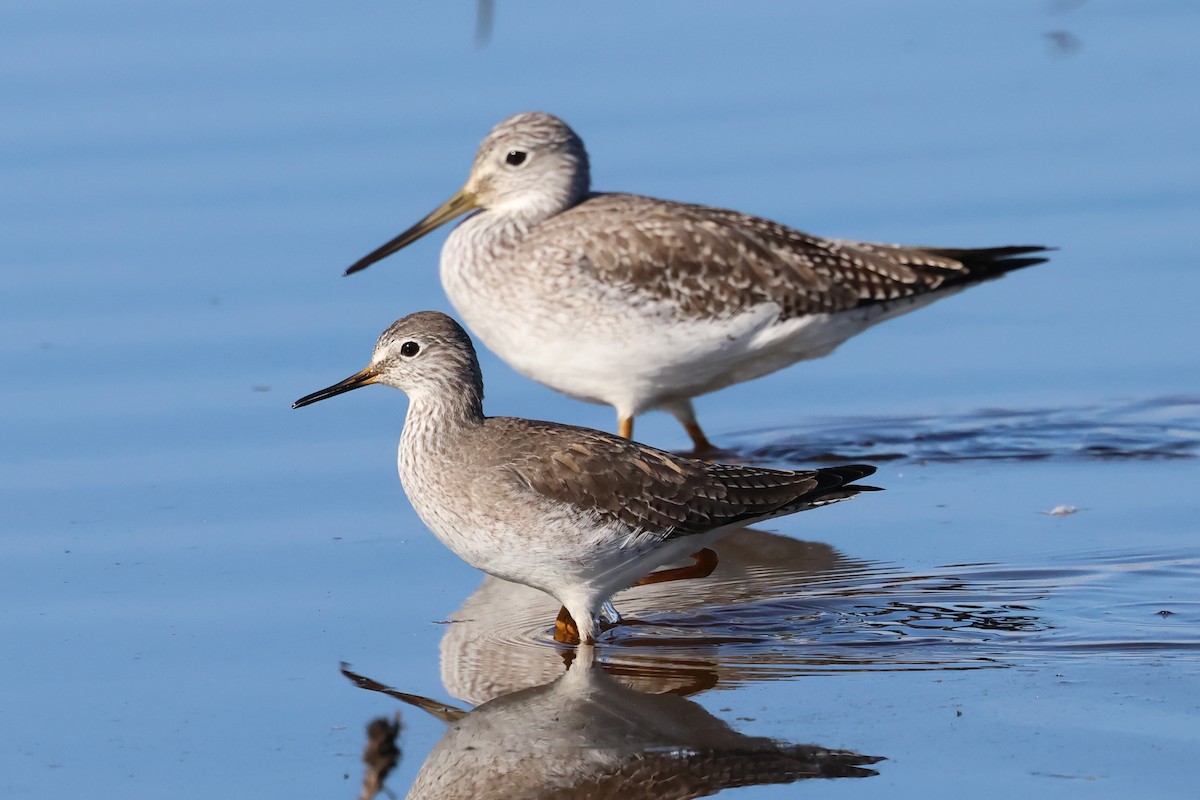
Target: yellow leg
(565,629)
(567,632)
(699,441)
(705,562)
(625,427)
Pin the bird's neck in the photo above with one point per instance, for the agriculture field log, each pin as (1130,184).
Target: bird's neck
(486,236)
(527,209)
(440,416)
(438,433)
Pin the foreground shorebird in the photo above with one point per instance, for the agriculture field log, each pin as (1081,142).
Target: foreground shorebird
(640,303)
(577,513)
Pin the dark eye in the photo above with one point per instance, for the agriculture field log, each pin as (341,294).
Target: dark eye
(409,349)
(515,158)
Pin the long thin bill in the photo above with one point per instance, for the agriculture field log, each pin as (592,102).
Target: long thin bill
(355,381)
(457,205)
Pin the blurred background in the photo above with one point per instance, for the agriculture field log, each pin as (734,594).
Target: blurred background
(186,560)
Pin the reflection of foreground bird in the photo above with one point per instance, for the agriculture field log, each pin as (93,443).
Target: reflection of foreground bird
(587,735)
(760,615)
(574,512)
(640,303)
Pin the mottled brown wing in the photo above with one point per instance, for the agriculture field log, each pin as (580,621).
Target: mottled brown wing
(809,488)
(708,261)
(652,490)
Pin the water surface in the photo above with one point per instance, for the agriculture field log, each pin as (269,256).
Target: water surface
(187,562)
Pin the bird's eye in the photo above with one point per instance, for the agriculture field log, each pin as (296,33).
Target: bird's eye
(515,158)
(409,349)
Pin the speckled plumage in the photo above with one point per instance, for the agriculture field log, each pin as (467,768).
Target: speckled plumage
(641,303)
(577,513)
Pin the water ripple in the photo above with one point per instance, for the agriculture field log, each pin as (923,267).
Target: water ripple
(778,607)
(1159,428)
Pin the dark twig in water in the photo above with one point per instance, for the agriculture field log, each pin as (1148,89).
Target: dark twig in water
(381,755)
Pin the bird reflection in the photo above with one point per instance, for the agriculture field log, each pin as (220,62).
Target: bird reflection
(775,607)
(586,734)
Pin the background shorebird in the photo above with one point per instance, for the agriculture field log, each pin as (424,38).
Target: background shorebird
(641,303)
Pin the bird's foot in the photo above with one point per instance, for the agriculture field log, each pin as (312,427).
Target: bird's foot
(701,446)
(713,455)
(565,629)
(567,632)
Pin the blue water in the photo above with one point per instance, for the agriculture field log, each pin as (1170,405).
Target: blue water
(186,561)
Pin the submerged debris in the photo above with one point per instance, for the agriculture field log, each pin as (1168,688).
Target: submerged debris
(381,754)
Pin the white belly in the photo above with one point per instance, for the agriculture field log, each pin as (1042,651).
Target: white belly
(608,344)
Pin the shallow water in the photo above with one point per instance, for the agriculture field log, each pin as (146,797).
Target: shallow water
(187,562)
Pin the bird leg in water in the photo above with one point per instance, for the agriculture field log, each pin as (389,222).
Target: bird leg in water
(565,629)
(699,441)
(704,562)
(567,632)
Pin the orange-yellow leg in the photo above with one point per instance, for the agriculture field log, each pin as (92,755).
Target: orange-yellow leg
(704,562)
(565,629)
(567,632)
(683,411)
(699,441)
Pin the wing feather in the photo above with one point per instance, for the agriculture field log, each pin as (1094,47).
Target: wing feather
(653,491)
(712,262)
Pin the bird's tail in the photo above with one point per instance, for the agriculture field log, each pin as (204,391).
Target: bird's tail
(991,262)
(837,483)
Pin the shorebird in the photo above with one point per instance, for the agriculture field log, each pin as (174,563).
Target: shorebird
(641,303)
(577,513)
